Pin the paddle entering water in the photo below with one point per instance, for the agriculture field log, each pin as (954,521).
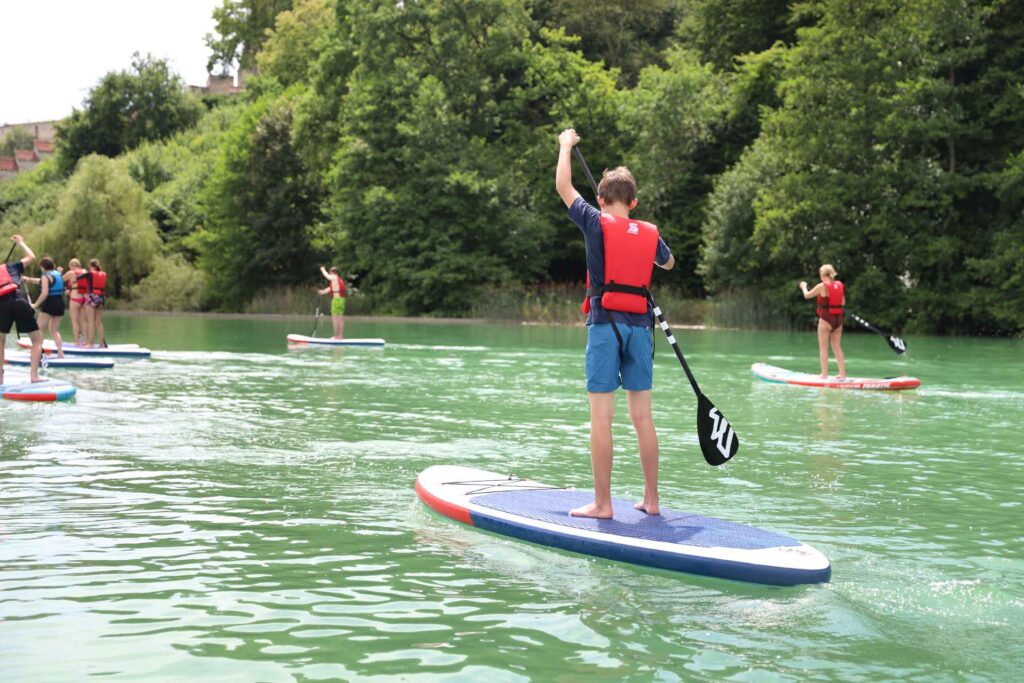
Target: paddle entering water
(895,343)
(718,440)
(316,316)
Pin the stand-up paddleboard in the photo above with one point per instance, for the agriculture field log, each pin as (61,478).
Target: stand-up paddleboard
(49,390)
(72,363)
(114,350)
(770,373)
(327,341)
(674,540)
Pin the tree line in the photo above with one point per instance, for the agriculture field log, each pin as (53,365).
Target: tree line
(413,144)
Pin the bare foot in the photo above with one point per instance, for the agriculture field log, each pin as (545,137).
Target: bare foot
(592,510)
(823,376)
(36,380)
(649,508)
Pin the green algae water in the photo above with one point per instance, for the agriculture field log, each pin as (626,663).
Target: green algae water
(235,510)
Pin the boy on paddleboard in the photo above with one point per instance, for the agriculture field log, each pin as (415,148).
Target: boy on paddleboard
(16,309)
(336,287)
(621,255)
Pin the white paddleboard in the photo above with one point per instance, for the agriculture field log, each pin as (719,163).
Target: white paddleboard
(328,341)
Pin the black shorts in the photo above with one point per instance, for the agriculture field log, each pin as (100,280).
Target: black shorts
(15,310)
(53,306)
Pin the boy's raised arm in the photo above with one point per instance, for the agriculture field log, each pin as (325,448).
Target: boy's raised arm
(567,139)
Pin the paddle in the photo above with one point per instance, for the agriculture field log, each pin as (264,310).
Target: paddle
(8,257)
(895,343)
(718,440)
(316,316)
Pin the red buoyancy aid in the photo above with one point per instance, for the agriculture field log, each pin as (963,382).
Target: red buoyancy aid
(81,283)
(6,282)
(629,249)
(832,302)
(338,293)
(97,282)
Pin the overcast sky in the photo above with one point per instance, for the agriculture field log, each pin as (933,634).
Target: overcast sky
(54,51)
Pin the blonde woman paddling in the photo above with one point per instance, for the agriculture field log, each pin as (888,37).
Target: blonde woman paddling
(831,298)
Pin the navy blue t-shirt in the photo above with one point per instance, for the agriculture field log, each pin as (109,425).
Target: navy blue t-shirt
(588,218)
(17,269)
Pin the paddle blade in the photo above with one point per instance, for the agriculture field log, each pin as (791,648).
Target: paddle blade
(718,440)
(896,344)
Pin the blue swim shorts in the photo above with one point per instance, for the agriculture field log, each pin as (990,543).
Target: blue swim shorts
(608,368)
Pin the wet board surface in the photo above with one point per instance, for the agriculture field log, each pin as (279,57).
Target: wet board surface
(770,373)
(674,540)
(327,341)
(49,390)
(71,363)
(114,350)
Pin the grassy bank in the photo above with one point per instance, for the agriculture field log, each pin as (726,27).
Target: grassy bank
(552,303)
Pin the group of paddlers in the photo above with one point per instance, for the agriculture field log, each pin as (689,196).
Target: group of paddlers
(85,289)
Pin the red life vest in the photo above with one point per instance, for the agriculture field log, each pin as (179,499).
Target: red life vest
(6,282)
(832,302)
(629,249)
(81,283)
(97,282)
(339,292)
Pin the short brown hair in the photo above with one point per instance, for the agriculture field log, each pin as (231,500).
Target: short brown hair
(617,185)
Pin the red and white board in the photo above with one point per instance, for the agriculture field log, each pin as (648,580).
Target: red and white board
(770,373)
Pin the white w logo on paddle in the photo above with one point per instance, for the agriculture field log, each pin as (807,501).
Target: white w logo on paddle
(721,432)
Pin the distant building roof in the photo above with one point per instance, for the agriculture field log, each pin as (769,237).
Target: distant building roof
(44,146)
(8,164)
(25,155)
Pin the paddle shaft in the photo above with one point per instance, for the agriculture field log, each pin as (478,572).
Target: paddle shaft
(8,257)
(316,316)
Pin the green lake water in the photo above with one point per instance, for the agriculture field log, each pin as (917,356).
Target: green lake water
(232,510)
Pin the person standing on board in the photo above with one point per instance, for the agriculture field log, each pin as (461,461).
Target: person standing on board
(16,309)
(336,287)
(76,282)
(831,299)
(95,301)
(621,255)
(51,300)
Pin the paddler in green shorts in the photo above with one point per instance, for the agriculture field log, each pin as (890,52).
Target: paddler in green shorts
(336,287)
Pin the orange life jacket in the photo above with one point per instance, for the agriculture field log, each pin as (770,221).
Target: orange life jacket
(97,282)
(6,281)
(339,292)
(832,302)
(81,283)
(629,249)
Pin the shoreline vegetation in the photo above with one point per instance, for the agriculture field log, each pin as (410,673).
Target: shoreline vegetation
(543,304)
(413,146)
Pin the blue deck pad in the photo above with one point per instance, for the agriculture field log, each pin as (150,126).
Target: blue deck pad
(671,526)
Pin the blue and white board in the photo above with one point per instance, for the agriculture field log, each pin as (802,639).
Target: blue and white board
(328,341)
(72,363)
(674,540)
(114,350)
(48,390)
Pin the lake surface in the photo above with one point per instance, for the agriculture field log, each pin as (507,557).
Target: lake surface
(235,510)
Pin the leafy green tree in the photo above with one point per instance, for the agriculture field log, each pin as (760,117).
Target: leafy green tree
(261,205)
(297,39)
(722,30)
(858,149)
(624,34)
(126,108)
(16,138)
(102,214)
(241,29)
(442,179)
